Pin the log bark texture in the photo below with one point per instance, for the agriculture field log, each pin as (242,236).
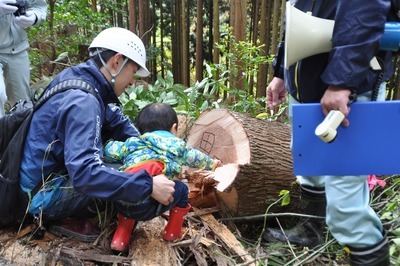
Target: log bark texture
(262,150)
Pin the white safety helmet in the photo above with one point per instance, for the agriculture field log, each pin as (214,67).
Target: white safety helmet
(125,42)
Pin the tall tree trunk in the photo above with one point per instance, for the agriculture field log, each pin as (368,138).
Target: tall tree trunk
(216,34)
(268,40)
(263,68)
(144,21)
(154,22)
(132,15)
(140,21)
(229,65)
(185,44)
(199,41)
(239,31)
(144,27)
(94,9)
(176,41)
(162,39)
(210,46)
(254,36)
(275,27)
(120,22)
(178,24)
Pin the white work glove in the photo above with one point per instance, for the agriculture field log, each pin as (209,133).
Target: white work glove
(6,8)
(26,20)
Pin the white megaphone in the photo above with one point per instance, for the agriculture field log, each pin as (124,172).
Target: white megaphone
(306,35)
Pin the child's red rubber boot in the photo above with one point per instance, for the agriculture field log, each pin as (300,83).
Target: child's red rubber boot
(122,235)
(173,229)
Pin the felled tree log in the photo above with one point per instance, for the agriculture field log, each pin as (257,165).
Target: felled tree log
(261,150)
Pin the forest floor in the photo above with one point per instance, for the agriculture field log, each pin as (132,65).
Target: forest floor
(200,245)
(208,239)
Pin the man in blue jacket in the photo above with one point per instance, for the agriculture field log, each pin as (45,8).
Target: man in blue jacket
(330,79)
(63,149)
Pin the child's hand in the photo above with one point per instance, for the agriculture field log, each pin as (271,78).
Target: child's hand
(217,163)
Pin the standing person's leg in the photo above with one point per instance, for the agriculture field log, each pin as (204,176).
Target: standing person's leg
(350,218)
(3,93)
(17,76)
(313,190)
(308,231)
(353,222)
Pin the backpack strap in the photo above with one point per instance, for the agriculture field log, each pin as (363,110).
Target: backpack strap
(63,86)
(60,87)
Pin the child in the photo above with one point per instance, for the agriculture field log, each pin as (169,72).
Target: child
(158,151)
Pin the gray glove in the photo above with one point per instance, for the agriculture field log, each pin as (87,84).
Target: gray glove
(6,8)
(26,20)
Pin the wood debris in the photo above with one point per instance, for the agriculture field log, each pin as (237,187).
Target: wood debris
(205,241)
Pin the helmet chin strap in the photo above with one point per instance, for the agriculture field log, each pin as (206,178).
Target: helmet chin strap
(113,76)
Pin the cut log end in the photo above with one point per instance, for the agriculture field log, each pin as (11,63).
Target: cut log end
(257,158)
(220,136)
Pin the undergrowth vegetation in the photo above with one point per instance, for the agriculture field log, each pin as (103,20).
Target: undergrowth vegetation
(384,200)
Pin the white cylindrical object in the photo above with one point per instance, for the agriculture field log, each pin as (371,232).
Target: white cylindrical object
(326,131)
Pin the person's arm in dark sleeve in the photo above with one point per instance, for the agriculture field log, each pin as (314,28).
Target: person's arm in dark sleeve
(279,60)
(359,26)
(117,126)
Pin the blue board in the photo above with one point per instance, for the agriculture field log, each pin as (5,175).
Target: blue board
(370,145)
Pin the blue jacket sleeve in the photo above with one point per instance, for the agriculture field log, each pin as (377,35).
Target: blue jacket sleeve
(116,125)
(359,26)
(79,128)
(196,159)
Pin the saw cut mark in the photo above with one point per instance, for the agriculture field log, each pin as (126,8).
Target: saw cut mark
(207,142)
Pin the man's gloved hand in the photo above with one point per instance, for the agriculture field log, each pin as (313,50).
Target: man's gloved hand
(26,20)
(6,8)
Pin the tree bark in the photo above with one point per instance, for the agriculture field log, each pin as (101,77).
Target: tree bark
(120,22)
(176,36)
(199,41)
(132,16)
(162,38)
(216,33)
(275,26)
(185,46)
(263,69)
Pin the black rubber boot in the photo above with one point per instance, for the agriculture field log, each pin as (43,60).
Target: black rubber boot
(376,255)
(308,231)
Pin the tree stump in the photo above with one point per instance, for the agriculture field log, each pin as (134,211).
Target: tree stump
(262,151)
